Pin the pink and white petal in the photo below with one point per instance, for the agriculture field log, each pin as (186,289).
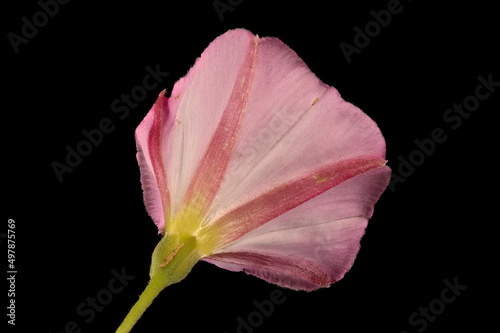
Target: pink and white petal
(293,273)
(199,100)
(149,136)
(293,124)
(314,244)
(212,168)
(151,192)
(281,199)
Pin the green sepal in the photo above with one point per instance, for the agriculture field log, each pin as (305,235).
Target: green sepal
(173,258)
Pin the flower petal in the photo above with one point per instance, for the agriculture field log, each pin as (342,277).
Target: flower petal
(203,113)
(201,100)
(282,199)
(314,244)
(149,137)
(294,123)
(213,166)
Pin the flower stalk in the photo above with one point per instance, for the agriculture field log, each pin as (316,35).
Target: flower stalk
(173,258)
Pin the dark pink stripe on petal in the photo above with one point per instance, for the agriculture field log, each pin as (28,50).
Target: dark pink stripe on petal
(155,151)
(212,168)
(285,197)
(290,272)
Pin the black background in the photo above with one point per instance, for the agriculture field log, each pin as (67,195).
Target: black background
(438,224)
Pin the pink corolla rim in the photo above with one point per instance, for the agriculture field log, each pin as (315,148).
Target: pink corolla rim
(267,167)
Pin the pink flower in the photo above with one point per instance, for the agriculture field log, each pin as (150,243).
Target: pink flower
(254,164)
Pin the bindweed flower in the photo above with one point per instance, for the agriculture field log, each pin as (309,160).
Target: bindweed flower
(253,164)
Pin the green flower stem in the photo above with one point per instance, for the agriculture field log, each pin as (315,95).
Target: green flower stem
(174,257)
(148,295)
